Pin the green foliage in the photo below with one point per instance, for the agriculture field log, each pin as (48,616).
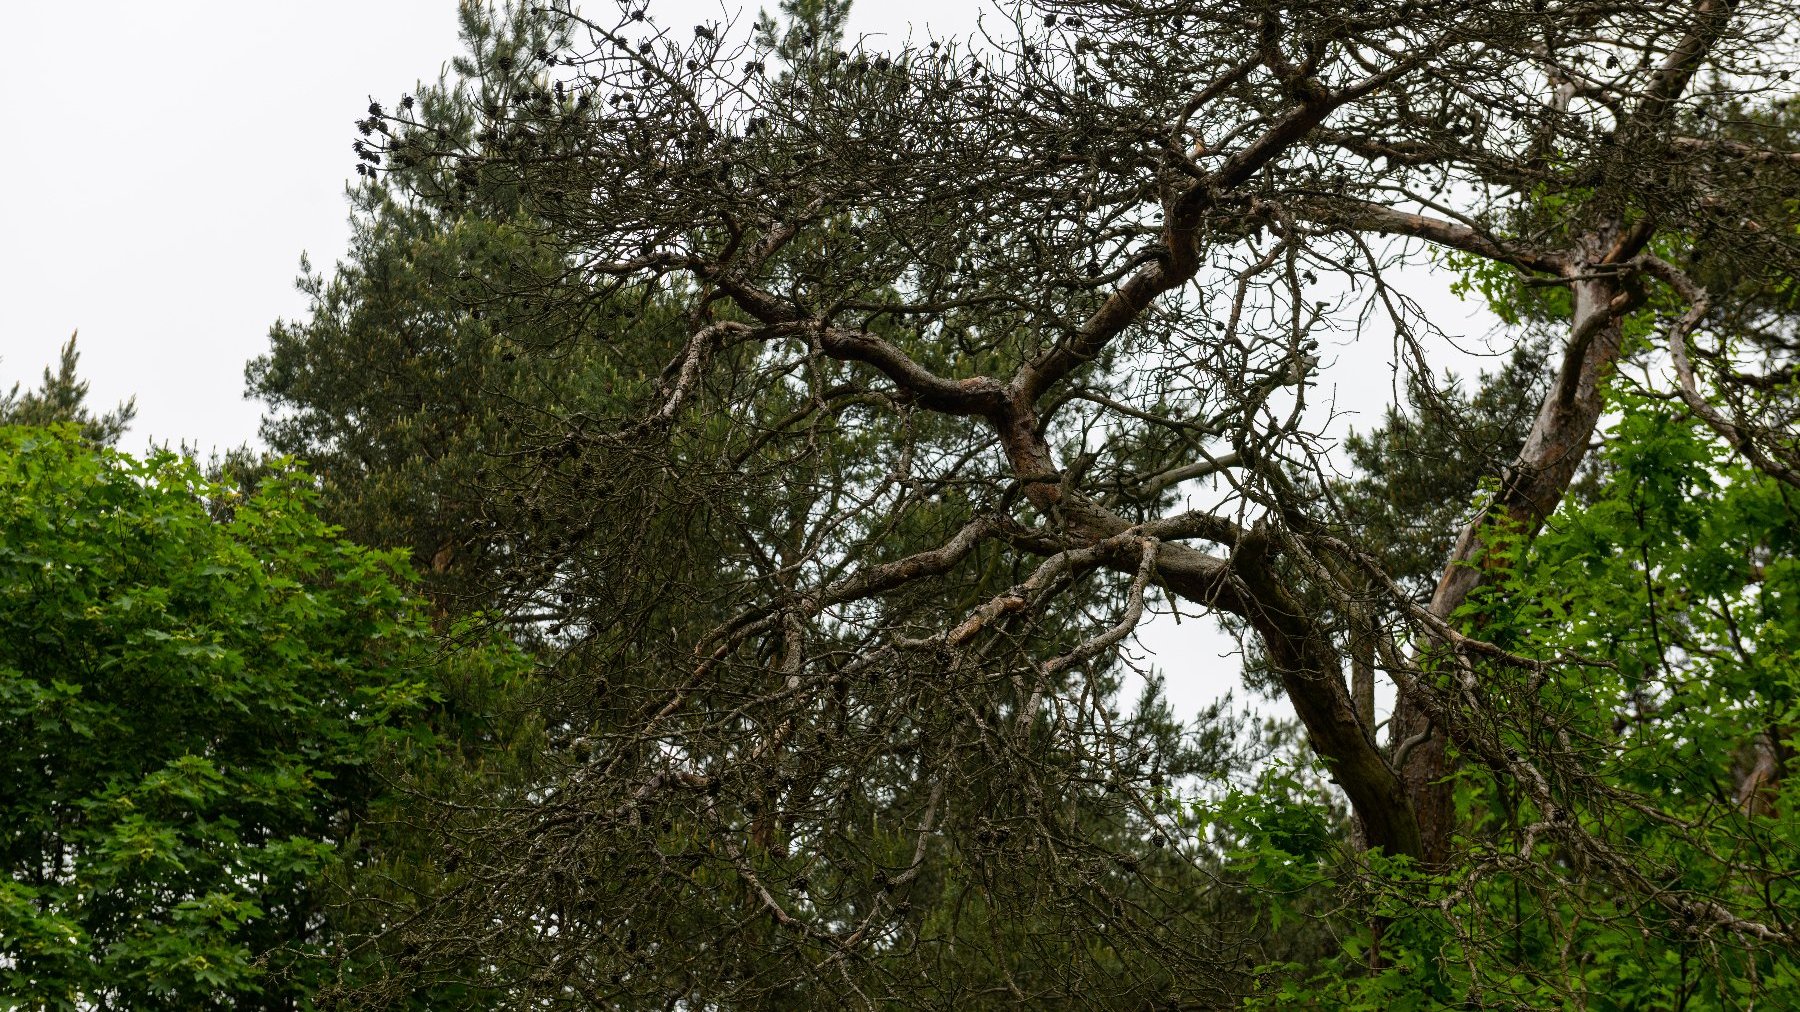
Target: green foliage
(1414,476)
(805,26)
(767,782)
(453,354)
(1682,577)
(1418,470)
(63,398)
(402,385)
(467,397)
(193,716)
(1504,292)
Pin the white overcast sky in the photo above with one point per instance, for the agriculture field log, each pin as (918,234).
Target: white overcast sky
(169,162)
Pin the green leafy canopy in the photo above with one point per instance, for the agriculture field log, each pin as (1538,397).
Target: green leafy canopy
(193,719)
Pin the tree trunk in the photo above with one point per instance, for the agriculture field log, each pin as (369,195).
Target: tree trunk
(1530,491)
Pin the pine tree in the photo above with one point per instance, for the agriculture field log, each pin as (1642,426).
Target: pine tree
(460,401)
(951,336)
(63,398)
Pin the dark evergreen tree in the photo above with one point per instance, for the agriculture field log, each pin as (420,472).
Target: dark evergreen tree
(63,398)
(467,394)
(945,338)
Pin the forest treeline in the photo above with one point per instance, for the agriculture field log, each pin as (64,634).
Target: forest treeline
(704,520)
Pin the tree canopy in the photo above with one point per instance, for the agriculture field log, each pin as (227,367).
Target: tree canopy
(824,422)
(63,398)
(194,720)
(907,383)
(966,356)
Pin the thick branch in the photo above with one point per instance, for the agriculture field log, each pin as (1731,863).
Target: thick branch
(1535,482)
(1180,238)
(979,395)
(1734,434)
(1370,217)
